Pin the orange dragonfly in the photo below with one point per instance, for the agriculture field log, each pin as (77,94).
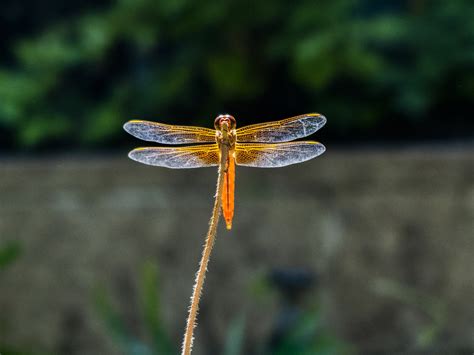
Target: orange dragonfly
(261,145)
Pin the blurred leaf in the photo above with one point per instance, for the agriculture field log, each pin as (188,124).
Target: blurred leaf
(9,253)
(308,337)
(116,326)
(150,304)
(433,307)
(235,336)
(50,52)
(41,127)
(231,76)
(260,288)
(150,309)
(110,316)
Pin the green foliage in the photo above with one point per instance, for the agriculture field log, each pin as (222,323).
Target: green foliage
(159,342)
(9,253)
(365,65)
(235,337)
(150,307)
(306,336)
(433,307)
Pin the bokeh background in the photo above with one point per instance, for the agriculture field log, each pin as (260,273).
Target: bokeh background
(368,249)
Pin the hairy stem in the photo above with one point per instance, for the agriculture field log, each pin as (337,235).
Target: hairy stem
(201,274)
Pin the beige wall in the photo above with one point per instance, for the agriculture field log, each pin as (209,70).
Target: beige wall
(372,223)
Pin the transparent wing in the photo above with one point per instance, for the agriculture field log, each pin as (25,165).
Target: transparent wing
(282,131)
(198,156)
(169,134)
(276,155)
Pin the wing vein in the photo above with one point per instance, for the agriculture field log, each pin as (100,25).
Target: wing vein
(178,157)
(276,155)
(281,131)
(169,134)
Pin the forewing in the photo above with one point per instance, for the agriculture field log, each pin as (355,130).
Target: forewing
(169,134)
(276,155)
(282,131)
(199,156)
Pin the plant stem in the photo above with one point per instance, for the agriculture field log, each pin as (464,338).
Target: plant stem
(210,239)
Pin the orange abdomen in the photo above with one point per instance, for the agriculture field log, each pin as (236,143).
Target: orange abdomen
(228,192)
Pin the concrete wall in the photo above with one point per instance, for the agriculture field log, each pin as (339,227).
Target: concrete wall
(390,232)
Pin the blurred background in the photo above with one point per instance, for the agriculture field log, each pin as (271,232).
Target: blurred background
(366,250)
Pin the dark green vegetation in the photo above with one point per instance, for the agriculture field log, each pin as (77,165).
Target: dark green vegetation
(9,252)
(72,72)
(304,334)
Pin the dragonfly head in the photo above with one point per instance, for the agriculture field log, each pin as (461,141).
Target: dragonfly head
(222,121)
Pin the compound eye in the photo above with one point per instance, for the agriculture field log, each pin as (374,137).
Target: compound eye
(217,122)
(232,123)
(221,119)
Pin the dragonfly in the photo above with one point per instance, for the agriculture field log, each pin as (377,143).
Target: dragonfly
(260,145)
